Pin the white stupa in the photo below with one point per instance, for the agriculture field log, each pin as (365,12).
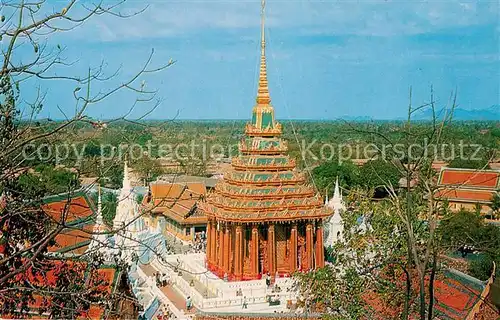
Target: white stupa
(125,207)
(133,237)
(335,225)
(99,242)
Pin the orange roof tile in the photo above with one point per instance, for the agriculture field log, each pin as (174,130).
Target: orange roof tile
(462,194)
(70,238)
(166,190)
(175,191)
(77,209)
(198,187)
(177,201)
(470,178)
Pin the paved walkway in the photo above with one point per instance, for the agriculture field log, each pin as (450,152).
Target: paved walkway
(198,286)
(178,301)
(172,295)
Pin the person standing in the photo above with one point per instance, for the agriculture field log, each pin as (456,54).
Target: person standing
(268,280)
(188,303)
(245,306)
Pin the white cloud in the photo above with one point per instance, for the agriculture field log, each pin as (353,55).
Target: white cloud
(377,18)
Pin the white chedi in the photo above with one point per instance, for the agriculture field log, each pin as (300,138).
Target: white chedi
(99,242)
(335,226)
(133,238)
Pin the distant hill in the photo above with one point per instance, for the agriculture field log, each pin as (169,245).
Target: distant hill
(491,113)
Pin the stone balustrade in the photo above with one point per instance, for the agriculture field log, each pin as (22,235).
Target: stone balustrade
(255,291)
(155,291)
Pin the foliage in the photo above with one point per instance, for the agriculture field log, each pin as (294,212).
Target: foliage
(379,173)
(459,162)
(495,204)
(338,295)
(114,174)
(467,228)
(52,180)
(139,198)
(109,204)
(66,288)
(326,174)
(481,268)
(460,228)
(147,168)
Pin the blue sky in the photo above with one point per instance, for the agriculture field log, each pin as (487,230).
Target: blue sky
(326,59)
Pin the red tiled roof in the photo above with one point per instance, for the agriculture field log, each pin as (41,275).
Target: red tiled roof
(485,179)
(467,195)
(77,209)
(49,278)
(72,238)
(177,191)
(178,201)
(454,297)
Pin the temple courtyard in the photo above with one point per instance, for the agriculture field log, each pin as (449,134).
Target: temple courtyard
(188,277)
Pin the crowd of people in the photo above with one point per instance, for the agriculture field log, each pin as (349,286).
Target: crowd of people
(199,243)
(162,279)
(166,314)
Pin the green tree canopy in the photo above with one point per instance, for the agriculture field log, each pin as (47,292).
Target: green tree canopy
(378,173)
(326,174)
(469,164)
(109,204)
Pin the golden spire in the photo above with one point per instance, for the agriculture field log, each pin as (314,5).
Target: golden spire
(263,97)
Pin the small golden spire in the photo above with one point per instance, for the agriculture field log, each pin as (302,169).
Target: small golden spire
(262,30)
(263,97)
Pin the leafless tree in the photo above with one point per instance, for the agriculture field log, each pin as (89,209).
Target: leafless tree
(27,230)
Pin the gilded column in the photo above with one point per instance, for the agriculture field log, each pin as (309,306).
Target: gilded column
(209,241)
(293,248)
(309,246)
(271,251)
(227,250)
(220,253)
(213,246)
(255,251)
(238,253)
(320,253)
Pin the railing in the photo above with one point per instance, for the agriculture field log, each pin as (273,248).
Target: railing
(254,291)
(238,315)
(286,203)
(255,148)
(474,311)
(252,130)
(156,292)
(239,163)
(277,193)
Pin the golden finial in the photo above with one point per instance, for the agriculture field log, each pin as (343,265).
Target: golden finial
(263,97)
(262,31)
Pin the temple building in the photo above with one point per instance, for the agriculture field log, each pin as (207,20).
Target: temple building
(173,208)
(468,189)
(263,217)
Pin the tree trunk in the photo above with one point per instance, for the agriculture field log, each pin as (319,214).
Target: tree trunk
(422,295)
(408,293)
(431,286)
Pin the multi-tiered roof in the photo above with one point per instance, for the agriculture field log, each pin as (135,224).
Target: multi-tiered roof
(263,183)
